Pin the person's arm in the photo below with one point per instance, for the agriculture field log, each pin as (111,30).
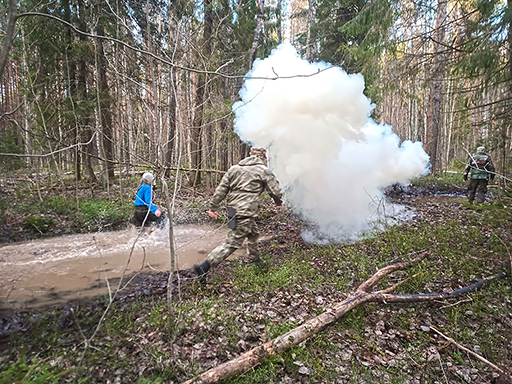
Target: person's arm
(466,171)
(273,188)
(491,169)
(148,198)
(221,191)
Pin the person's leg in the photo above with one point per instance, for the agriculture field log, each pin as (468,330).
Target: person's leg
(253,251)
(233,241)
(481,190)
(471,190)
(139,216)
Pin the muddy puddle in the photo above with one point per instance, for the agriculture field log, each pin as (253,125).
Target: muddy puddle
(55,270)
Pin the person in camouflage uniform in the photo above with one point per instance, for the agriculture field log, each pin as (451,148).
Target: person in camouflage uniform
(482,169)
(241,186)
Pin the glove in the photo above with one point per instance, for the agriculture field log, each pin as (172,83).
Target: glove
(158,212)
(465,178)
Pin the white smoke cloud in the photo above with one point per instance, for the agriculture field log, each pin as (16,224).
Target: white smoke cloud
(331,159)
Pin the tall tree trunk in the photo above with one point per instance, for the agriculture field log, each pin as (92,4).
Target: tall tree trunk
(257,31)
(72,86)
(309,42)
(201,95)
(435,102)
(8,36)
(104,106)
(171,132)
(244,150)
(279,21)
(506,125)
(85,113)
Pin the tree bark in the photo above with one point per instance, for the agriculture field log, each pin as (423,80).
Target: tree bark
(297,335)
(85,114)
(257,31)
(201,96)
(8,36)
(506,126)
(279,21)
(311,19)
(434,109)
(104,114)
(171,129)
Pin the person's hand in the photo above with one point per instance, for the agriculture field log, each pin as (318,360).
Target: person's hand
(158,212)
(213,214)
(465,178)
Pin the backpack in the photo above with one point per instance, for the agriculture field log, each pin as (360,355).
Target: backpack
(481,162)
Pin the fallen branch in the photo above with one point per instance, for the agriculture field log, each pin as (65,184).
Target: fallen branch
(255,356)
(481,358)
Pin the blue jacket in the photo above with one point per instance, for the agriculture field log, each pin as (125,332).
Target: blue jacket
(145,197)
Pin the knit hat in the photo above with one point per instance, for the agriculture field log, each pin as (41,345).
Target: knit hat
(480,149)
(148,176)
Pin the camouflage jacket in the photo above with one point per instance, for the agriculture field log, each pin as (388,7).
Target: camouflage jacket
(480,166)
(242,185)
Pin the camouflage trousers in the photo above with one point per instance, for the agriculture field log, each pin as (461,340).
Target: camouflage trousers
(477,187)
(245,228)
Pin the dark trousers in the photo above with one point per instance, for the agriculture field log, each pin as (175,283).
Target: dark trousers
(478,188)
(139,215)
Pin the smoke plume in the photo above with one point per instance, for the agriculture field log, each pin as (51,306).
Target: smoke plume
(331,159)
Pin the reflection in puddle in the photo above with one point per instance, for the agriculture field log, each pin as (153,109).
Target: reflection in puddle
(49,271)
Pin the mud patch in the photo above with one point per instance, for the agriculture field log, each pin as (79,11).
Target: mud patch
(56,270)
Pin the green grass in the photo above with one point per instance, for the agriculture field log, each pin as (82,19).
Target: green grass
(91,214)
(39,223)
(96,212)
(442,180)
(32,371)
(253,279)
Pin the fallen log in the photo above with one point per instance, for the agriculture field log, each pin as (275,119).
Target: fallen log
(255,356)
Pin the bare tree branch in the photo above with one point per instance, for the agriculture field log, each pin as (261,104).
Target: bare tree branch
(495,367)
(161,59)
(303,332)
(50,153)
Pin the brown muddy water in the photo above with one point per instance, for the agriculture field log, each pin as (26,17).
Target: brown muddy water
(56,270)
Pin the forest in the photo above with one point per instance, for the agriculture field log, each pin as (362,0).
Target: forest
(377,268)
(95,88)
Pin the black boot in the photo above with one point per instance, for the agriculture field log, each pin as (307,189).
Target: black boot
(202,268)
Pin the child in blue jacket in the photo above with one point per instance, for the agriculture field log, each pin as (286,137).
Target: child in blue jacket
(145,211)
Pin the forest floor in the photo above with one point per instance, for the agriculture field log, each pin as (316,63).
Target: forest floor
(243,305)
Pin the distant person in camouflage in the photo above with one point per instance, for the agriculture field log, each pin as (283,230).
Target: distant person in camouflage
(482,170)
(242,186)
